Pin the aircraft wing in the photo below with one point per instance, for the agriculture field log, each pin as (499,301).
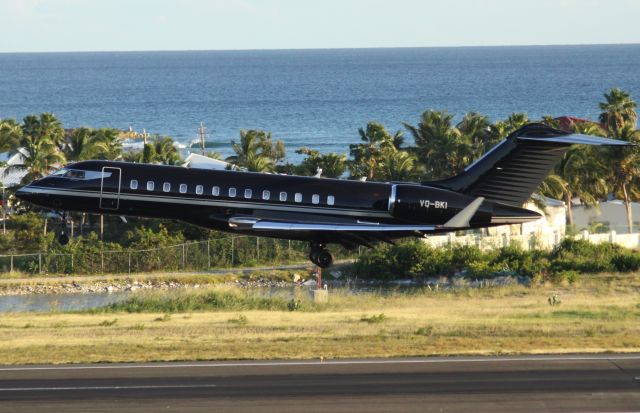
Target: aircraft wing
(360,232)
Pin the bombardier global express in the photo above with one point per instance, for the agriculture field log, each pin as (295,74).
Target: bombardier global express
(489,192)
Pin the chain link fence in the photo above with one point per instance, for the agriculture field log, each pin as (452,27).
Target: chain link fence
(229,252)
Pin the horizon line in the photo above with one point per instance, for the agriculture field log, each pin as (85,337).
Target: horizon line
(319,48)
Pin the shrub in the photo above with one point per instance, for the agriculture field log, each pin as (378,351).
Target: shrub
(569,276)
(583,256)
(374,319)
(240,320)
(626,261)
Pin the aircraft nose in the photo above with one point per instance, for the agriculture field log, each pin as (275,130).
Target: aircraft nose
(25,193)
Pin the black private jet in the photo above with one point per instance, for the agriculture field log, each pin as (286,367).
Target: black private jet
(489,192)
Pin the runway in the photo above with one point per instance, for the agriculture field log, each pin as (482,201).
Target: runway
(595,383)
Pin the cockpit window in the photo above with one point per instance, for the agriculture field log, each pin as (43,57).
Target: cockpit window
(73,174)
(80,174)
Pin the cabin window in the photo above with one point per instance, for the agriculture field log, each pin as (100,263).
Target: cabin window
(133,184)
(232,192)
(166,187)
(183,188)
(215,191)
(247,193)
(298,197)
(315,199)
(283,196)
(150,185)
(331,200)
(266,195)
(199,189)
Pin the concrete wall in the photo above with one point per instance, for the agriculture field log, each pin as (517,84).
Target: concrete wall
(545,240)
(614,213)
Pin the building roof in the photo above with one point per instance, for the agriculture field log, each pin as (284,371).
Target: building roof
(15,176)
(203,162)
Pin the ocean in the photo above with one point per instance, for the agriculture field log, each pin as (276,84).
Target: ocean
(315,98)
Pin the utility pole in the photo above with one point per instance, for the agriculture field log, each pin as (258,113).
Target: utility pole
(202,144)
(4,213)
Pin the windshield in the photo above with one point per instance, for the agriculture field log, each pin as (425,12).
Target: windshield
(80,174)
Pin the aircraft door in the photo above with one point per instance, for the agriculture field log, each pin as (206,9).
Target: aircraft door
(110,188)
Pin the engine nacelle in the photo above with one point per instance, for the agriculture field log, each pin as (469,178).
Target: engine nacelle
(429,205)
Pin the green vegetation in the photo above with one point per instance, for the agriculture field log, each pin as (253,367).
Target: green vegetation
(189,301)
(595,314)
(416,260)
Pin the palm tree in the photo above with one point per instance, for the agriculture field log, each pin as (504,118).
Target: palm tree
(399,166)
(626,169)
(79,146)
(39,157)
(478,133)
(333,165)
(10,135)
(588,128)
(618,109)
(441,148)
(367,156)
(108,143)
(51,127)
(253,152)
(516,120)
(44,126)
(580,174)
(164,150)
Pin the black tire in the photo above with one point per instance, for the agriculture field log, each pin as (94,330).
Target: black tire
(313,256)
(324,259)
(63,239)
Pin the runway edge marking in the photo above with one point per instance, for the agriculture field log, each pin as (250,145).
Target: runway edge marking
(170,365)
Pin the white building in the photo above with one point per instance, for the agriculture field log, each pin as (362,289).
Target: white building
(15,176)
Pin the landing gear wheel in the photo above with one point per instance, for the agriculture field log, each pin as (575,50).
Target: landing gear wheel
(320,256)
(324,259)
(63,238)
(313,256)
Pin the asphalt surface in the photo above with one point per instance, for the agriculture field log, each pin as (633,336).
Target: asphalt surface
(602,383)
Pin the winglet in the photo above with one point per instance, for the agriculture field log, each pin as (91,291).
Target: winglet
(462,218)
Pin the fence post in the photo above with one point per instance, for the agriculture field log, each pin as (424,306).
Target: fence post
(208,255)
(184,262)
(102,261)
(71,262)
(129,262)
(11,264)
(39,263)
(232,250)
(258,248)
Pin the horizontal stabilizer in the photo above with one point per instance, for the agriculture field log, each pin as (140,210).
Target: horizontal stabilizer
(579,139)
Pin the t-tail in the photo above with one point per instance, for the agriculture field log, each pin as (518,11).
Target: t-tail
(513,169)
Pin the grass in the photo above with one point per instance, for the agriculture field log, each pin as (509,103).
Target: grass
(597,314)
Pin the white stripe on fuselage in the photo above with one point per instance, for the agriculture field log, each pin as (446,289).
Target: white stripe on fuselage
(204,202)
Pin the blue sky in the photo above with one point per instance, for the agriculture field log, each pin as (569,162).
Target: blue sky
(96,25)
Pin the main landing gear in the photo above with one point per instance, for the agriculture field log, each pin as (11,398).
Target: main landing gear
(320,255)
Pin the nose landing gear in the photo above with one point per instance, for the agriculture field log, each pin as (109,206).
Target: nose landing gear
(63,238)
(320,255)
